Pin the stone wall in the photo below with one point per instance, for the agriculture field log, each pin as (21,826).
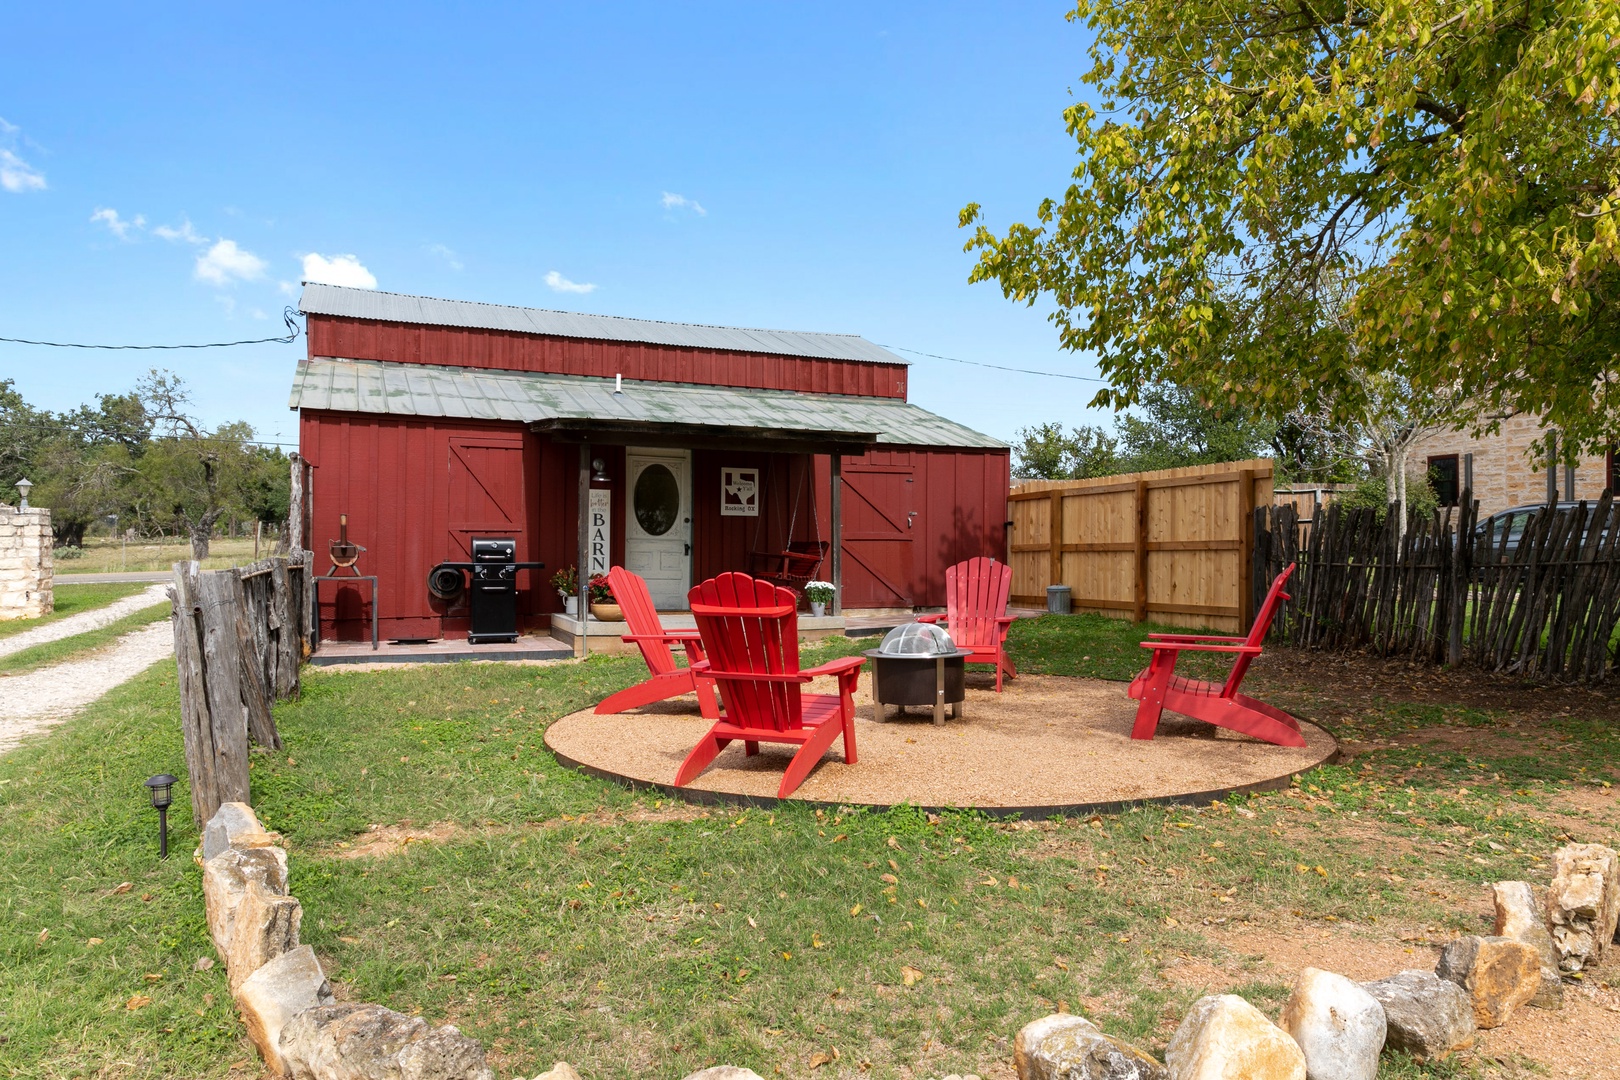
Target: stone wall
(1505,472)
(25,563)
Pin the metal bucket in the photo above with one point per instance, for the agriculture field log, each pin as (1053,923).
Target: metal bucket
(1058,600)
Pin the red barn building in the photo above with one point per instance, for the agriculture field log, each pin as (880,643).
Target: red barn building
(429,422)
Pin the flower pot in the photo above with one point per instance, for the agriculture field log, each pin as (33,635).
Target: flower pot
(817,609)
(607,612)
(571,606)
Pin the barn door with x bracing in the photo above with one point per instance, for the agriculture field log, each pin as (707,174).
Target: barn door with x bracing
(878,515)
(485,492)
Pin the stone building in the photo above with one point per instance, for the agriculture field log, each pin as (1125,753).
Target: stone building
(1505,472)
(25,563)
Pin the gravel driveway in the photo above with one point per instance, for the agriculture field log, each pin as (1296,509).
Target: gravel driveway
(42,699)
(84,622)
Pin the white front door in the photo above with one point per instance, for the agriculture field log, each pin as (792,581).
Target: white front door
(658,532)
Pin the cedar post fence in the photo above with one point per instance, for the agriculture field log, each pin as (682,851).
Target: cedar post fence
(1175,545)
(239,636)
(1541,602)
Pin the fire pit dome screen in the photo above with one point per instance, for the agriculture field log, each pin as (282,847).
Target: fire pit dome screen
(917,639)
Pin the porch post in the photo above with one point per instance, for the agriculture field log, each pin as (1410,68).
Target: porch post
(582,565)
(836,510)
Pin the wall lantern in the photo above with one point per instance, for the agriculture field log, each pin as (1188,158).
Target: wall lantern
(599,473)
(24,486)
(159,786)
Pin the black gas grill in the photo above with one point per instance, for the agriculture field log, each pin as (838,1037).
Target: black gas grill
(492,599)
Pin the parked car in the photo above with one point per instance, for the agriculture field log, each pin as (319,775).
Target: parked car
(1511,523)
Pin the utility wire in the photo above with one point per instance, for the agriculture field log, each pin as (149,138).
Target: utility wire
(998,367)
(287,316)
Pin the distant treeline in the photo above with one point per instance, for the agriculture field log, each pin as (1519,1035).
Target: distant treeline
(142,456)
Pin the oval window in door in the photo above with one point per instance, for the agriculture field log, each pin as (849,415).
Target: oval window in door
(657,500)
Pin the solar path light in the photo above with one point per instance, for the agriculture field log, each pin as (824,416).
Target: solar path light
(159,786)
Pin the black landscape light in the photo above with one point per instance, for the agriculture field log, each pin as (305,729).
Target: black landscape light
(159,786)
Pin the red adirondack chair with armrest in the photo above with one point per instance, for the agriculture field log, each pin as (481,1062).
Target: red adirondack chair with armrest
(751,633)
(1159,687)
(976,594)
(648,634)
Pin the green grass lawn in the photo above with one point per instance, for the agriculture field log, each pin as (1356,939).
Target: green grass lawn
(72,600)
(559,917)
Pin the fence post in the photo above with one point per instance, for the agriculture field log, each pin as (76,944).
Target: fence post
(1140,594)
(1246,545)
(1054,538)
(212,719)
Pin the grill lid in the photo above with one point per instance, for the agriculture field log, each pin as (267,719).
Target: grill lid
(917,639)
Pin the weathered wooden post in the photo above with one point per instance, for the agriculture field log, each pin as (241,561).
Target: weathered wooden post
(212,718)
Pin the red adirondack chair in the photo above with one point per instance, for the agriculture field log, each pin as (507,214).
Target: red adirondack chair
(751,632)
(648,634)
(1159,687)
(976,616)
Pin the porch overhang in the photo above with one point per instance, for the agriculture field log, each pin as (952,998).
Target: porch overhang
(580,408)
(706,436)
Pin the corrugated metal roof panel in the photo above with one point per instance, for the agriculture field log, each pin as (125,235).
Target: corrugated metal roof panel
(375,386)
(354,303)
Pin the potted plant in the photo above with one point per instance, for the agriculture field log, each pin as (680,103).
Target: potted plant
(602,606)
(566,582)
(820,594)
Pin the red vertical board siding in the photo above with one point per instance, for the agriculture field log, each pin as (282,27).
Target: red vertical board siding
(961,501)
(360,339)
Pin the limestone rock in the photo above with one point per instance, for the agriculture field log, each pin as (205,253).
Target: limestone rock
(561,1070)
(1521,914)
(564,1071)
(1425,1015)
(276,993)
(230,820)
(1225,1038)
(1500,974)
(721,1072)
(1583,903)
(1067,1047)
(1338,1026)
(369,1042)
(265,927)
(228,876)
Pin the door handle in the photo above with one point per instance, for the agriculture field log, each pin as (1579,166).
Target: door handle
(909,515)
(688,548)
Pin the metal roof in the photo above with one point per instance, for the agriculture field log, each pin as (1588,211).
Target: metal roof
(354,303)
(395,389)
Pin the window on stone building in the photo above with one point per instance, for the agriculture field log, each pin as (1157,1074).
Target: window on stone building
(1443,477)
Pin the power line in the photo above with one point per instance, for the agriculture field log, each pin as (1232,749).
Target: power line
(287,316)
(997,367)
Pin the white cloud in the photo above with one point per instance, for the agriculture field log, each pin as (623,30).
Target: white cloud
(672,201)
(119,226)
(447,255)
(183,232)
(287,288)
(16,175)
(338,270)
(559,283)
(225,263)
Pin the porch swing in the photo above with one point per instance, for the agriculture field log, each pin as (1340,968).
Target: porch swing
(796,564)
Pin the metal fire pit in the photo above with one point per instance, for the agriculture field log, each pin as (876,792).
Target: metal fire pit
(918,664)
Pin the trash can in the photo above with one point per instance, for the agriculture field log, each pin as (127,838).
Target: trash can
(1057,599)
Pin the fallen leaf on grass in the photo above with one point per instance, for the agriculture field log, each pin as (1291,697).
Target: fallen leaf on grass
(122,887)
(1060,965)
(817,1060)
(139,1001)
(815,941)
(43,936)
(204,963)
(856,910)
(894,843)
(910,974)
(890,878)
(990,881)
(152,976)
(92,942)
(752,923)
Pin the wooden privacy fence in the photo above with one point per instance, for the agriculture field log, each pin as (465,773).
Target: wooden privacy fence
(1544,604)
(239,638)
(1174,545)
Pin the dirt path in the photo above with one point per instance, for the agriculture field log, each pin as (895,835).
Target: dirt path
(42,699)
(83,622)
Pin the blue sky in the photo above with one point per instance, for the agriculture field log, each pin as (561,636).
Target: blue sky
(165,171)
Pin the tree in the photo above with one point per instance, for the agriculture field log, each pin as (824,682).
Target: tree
(1457,160)
(1044,452)
(23,430)
(190,474)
